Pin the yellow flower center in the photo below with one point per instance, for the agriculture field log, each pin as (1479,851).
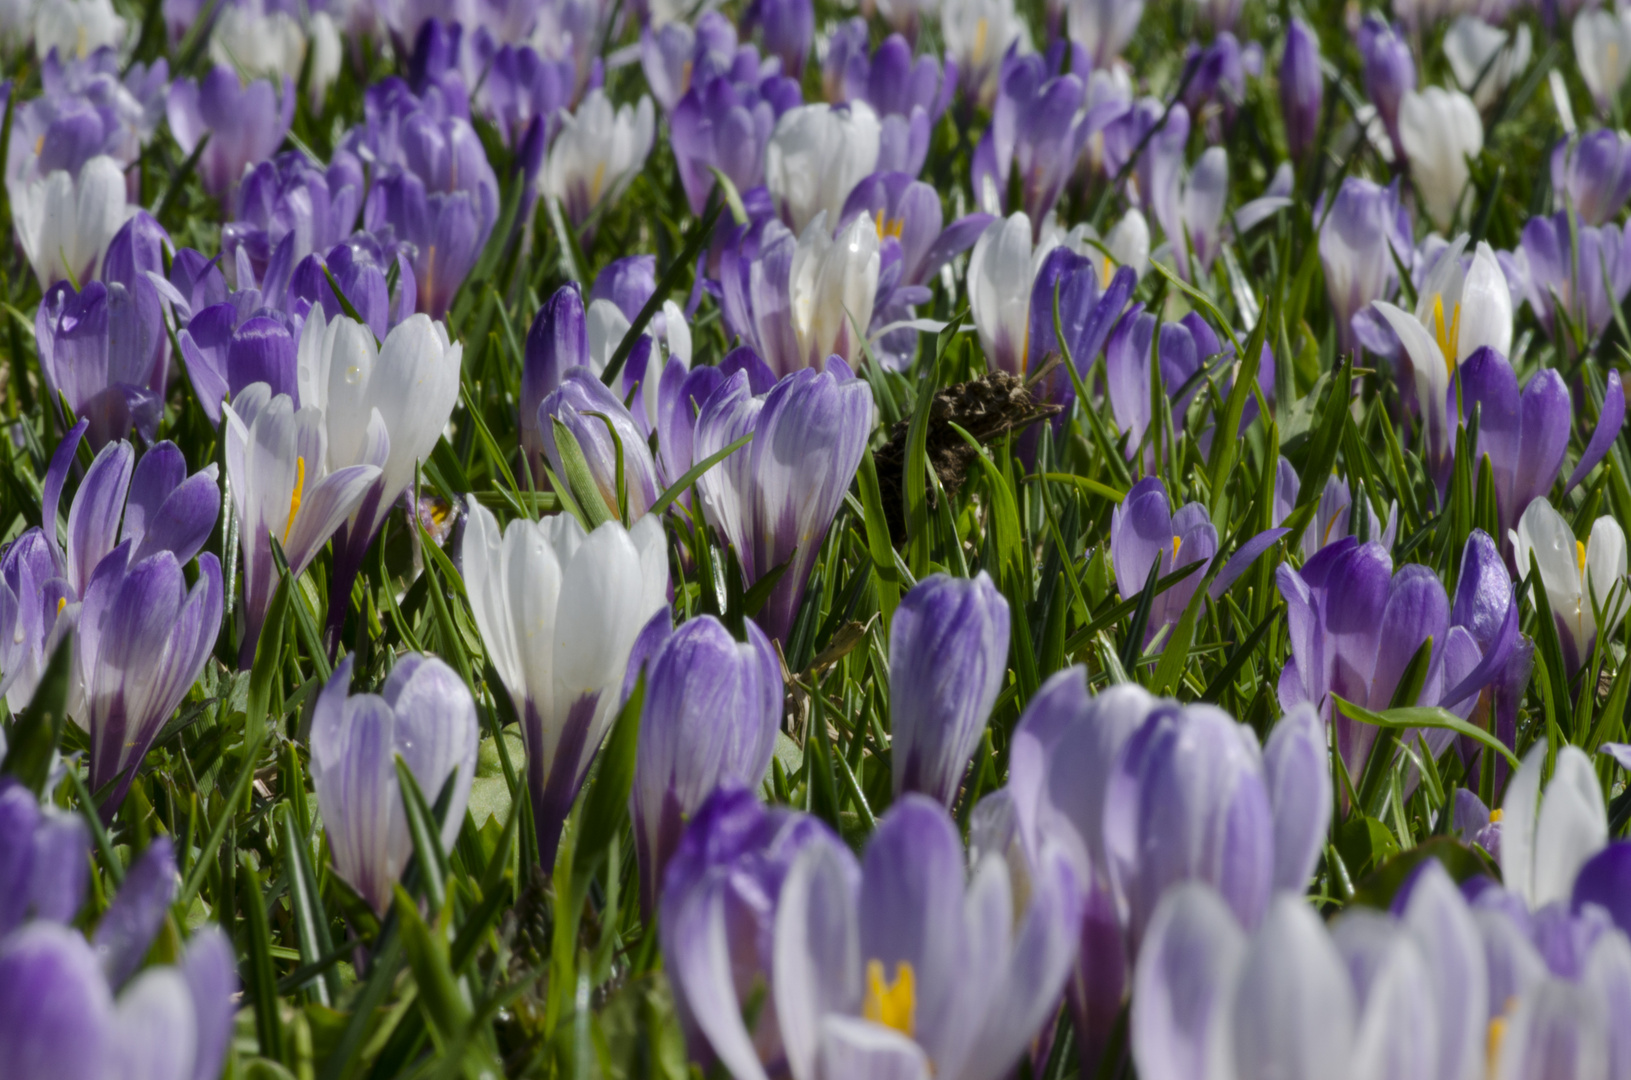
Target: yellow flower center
(889,226)
(62,602)
(1447,337)
(1494,816)
(295,495)
(595,184)
(1495,1038)
(982,30)
(1106,272)
(891,1004)
(1580,558)
(1177,542)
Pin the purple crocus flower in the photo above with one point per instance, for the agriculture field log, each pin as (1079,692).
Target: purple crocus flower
(521,89)
(1333,517)
(720,902)
(908,95)
(1362,235)
(358,266)
(674,55)
(557,342)
(724,123)
(774,500)
(1162,155)
(681,395)
(1486,606)
(585,406)
(245,123)
(1592,174)
(289,200)
(712,709)
(787,29)
(425,715)
(93,350)
(948,660)
(59,1015)
(627,282)
(905,958)
(1582,285)
(1355,625)
(43,854)
(1217,77)
(1302,87)
(1037,125)
(1189,204)
(1389,72)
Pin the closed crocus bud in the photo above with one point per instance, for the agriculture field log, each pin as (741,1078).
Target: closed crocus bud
(425,716)
(1602,48)
(948,660)
(1302,87)
(585,407)
(245,123)
(1359,239)
(599,150)
(712,709)
(1591,174)
(1546,837)
(816,156)
(834,281)
(1579,577)
(383,405)
(557,342)
(1187,801)
(1001,272)
(66,222)
(787,28)
(1440,129)
(774,501)
(1389,72)
(559,610)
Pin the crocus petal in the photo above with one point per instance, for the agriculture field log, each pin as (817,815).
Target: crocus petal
(1609,422)
(1181,987)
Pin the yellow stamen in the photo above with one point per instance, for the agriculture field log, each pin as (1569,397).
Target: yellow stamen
(1494,816)
(891,1004)
(295,495)
(1106,272)
(1329,525)
(1492,1043)
(62,602)
(594,185)
(1177,542)
(888,226)
(982,30)
(1580,558)
(39,145)
(1447,337)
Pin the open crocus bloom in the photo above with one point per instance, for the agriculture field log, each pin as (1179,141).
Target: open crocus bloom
(833,283)
(1580,578)
(816,156)
(1457,312)
(559,610)
(65,223)
(1546,838)
(599,151)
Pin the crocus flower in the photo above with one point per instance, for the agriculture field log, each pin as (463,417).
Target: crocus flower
(59,1015)
(258,42)
(1333,517)
(77,28)
(978,35)
(1547,837)
(833,283)
(521,88)
(424,715)
(66,222)
(1485,59)
(89,106)
(948,660)
(1127,371)
(1104,27)
(90,349)
(876,969)
(1356,627)
(675,54)
(283,487)
(557,341)
(559,610)
(1579,273)
(774,500)
(585,406)
(43,851)
(712,709)
(1145,532)
(1602,48)
(816,156)
(598,153)
(1457,313)
(1592,174)
(290,200)
(1157,136)
(725,124)
(1389,73)
(787,29)
(1360,237)
(908,95)
(1039,126)
(1580,579)
(226,350)
(1439,130)
(720,905)
(1001,271)
(245,123)
(381,404)
(1189,205)
(1302,87)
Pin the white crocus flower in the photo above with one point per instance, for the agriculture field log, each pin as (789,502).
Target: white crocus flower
(1602,48)
(410,384)
(978,34)
(1126,244)
(1545,839)
(1001,271)
(599,150)
(816,156)
(326,58)
(1440,130)
(1486,59)
(258,42)
(1579,578)
(76,28)
(65,223)
(1456,313)
(608,326)
(833,283)
(559,611)
(282,486)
